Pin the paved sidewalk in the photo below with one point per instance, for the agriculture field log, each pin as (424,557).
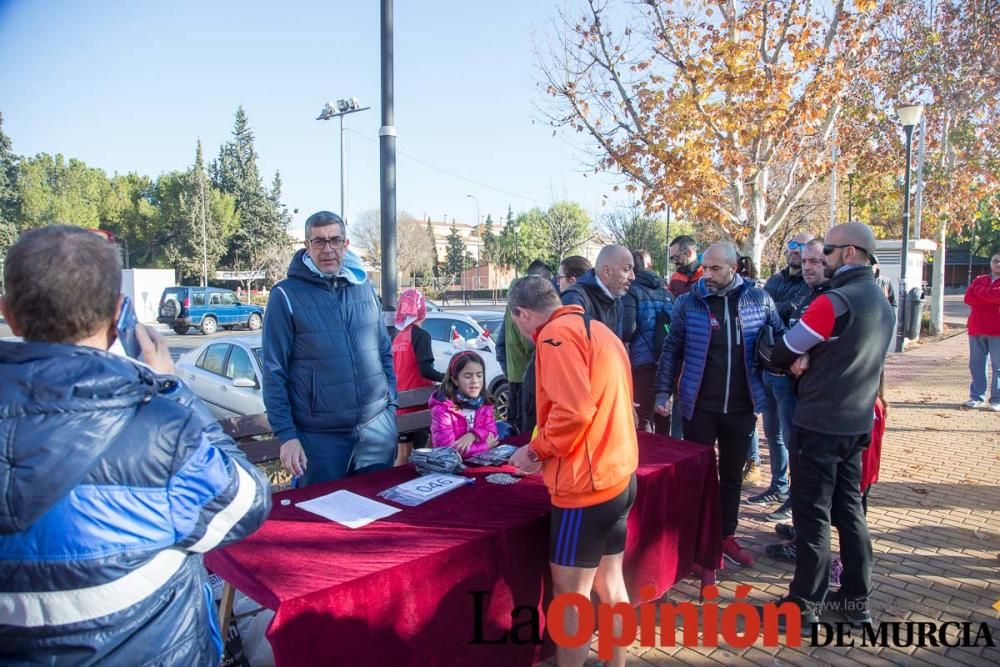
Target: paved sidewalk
(934,517)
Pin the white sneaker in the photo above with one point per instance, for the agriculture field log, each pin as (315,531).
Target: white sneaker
(973,404)
(994,407)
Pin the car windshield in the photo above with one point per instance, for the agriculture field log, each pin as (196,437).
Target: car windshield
(491,323)
(175,294)
(258,352)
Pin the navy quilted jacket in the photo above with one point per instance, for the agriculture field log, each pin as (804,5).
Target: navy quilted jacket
(327,354)
(646,298)
(686,348)
(113,483)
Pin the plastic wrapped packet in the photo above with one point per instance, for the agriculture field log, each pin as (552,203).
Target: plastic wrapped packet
(496,456)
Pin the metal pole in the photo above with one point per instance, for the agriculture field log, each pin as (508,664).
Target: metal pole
(833,186)
(343,214)
(204,233)
(918,197)
(904,252)
(972,245)
(387,160)
(850,196)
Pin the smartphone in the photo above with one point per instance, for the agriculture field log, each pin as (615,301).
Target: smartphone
(127,322)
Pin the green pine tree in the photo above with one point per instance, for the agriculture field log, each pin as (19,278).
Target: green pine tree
(454,262)
(436,260)
(262,229)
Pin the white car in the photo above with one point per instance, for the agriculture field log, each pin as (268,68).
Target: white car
(225,373)
(466,324)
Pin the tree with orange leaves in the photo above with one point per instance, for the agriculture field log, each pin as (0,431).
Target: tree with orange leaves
(723,110)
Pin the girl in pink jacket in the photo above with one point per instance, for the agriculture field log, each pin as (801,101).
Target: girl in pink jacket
(462,409)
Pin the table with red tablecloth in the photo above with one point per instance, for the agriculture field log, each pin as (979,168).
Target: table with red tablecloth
(404,590)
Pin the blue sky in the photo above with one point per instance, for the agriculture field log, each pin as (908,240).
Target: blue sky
(131,86)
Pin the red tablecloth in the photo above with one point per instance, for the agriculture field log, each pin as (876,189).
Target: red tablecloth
(399,591)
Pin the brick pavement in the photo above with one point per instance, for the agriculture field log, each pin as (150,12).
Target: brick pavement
(934,517)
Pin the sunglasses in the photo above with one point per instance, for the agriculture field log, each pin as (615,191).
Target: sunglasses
(796,245)
(829,248)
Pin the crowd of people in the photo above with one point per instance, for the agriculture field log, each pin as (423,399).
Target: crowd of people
(592,353)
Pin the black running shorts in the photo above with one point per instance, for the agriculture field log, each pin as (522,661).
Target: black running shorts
(579,537)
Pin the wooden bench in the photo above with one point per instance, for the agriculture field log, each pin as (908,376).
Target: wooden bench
(254,436)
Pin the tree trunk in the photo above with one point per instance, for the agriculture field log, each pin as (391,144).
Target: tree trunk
(937,285)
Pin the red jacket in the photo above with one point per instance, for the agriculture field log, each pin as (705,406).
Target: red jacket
(983,296)
(871,458)
(681,283)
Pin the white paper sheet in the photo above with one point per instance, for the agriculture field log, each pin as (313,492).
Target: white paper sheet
(347,509)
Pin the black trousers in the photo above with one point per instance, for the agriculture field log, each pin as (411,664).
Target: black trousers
(514,404)
(826,489)
(732,432)
(644,393)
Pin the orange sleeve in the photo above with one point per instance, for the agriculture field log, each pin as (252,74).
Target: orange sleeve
(566,367)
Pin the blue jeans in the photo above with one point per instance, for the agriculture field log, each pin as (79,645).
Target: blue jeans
(753,454)
(981,347)
(676,421)
(778,411)
(369,447)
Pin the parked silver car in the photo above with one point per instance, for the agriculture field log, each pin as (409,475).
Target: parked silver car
(225,373)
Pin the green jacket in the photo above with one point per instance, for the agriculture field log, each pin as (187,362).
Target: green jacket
(513,349)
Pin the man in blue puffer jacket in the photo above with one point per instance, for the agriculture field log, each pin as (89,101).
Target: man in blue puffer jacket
(329,387)
(713,333)
(645,324)
(114,479)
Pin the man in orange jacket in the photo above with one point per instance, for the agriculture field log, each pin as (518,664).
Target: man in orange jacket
(585,447)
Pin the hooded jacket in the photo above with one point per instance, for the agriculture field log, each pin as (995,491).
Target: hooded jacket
(685,351)
(327,354)
(983,297)
(448,424)
(113,482)
(590,296)
(645,300)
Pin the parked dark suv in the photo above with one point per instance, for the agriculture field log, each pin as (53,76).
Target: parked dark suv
(206,308)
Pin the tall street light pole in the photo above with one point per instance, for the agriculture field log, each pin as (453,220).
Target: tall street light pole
(909,117)
(387,162)
(342,108)
(479,242)
(851,167)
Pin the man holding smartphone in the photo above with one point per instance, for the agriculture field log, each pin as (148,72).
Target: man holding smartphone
(115,479)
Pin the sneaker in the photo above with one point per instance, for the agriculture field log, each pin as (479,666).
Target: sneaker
(994,407)
(781,551)
(836,569)
(783,513)
(855,611)
(810,615)
(734,553)
(768,497)
(785,530)
(751,472)
(972,404)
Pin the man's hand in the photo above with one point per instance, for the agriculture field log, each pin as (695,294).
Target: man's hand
(801,365)
(293,457)
(663,407)
(526,461)
(464,443)
(155,352)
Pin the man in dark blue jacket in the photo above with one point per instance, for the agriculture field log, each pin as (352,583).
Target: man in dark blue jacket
(713,332)
(788,289)
(329,387)
(114,478)
(645,325)
(599,291)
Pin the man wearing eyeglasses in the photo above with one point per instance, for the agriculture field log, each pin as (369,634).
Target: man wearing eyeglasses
(838,351)
(789,290)
(687,267)
(329,387)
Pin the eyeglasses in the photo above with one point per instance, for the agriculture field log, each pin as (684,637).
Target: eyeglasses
(829,248)
(796,245)
(561,277)
(319,242)
(676,258)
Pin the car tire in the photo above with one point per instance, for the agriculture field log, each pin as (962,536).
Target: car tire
(181,330)
(209,325)
(254,322)
(501,401)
